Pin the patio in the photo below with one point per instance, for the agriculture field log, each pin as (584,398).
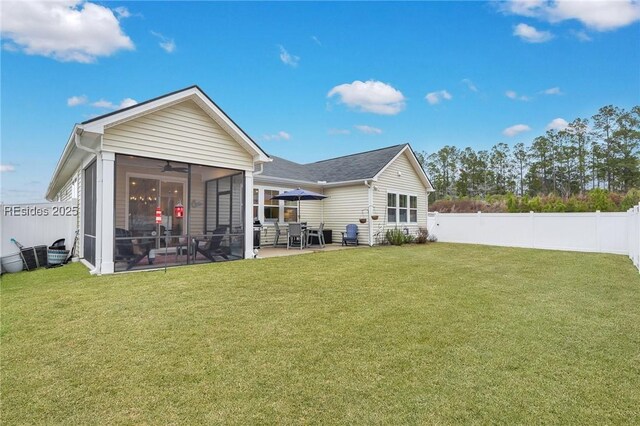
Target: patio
(267,252)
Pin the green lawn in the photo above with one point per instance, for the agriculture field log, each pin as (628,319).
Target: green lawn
(442,333)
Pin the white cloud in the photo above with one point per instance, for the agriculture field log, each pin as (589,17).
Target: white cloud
(7,168)
(122,12)
(470,84)
(435,97)
(167,44)
(515,130)
(514,95)
(370,96)
(288,58)
(66,30)
(368,130)
(77,100)
(557,124)
(599,15)
(316,40)
(281,135)
(530,34)
(339,131)
(552,91)
(126,102)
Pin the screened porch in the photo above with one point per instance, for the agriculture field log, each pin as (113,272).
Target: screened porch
(169,213)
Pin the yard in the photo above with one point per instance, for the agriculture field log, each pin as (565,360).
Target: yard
(442,333)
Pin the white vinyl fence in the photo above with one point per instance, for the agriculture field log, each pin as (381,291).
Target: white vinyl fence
(36,224)
(617,233)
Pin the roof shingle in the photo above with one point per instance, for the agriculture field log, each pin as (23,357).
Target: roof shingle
(362,165)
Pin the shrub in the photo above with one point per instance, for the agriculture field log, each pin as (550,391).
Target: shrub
(599,200)
(395,237)
(423,235)
(631,199)
(398,237)
(432,238)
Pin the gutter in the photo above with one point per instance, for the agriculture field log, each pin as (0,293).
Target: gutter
(79,131)
(369,185)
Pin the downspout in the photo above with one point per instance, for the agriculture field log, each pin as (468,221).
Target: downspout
(369,185)
(79,132)
(259,172)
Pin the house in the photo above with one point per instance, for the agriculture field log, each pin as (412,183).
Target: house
(174,181)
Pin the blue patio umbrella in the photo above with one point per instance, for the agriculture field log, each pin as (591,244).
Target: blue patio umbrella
(299,195)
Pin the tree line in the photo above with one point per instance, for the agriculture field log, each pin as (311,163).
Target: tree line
(601,152)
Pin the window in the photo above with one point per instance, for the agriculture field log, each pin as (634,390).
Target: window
(290,211)
(391,208)
(271,207)
(402,208)
(256,203)
(413,209)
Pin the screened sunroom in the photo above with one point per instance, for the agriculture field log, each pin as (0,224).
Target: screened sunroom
(169,213)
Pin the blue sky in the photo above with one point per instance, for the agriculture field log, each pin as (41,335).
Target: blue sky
(310,81)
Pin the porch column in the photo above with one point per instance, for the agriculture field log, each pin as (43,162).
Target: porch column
(105,211)
(248,215)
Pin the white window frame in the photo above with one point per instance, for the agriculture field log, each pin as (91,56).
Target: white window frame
(397,195)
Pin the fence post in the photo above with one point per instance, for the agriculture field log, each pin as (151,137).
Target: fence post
(532,220)
(597,233)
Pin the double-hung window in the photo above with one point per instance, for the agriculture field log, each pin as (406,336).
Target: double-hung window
(290,211)
(413,209)
(256,204)
(403,208)
(392,204)
(271,207)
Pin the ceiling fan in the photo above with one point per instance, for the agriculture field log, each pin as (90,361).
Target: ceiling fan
(169,168)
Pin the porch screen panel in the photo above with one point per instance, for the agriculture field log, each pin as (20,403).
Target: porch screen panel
(89,207)
(237,204)
(224,201)
(211,206)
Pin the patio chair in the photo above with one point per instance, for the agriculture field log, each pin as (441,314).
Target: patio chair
(129,250)
(212,248)
(295,236)
(278,232)
(350,236)
(316,233)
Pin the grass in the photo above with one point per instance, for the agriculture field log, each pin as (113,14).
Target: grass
(442,333)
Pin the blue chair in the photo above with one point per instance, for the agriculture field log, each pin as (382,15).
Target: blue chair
(351,235)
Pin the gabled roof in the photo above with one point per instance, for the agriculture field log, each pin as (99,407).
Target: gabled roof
(73,154)
(349,168)
(195,93)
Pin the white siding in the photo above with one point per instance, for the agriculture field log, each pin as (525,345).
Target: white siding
(407,182)
(344,206)
(182,132)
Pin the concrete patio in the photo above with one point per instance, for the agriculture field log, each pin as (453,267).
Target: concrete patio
(270,251)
